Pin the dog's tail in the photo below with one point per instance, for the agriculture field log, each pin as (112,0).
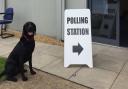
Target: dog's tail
(2,74)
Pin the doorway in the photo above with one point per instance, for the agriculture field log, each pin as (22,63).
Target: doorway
(124,23)
(105,21)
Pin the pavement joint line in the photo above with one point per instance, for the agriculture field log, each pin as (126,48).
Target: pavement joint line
(109,55)
(57,57)
(109,45)
(49,63)
(53,55)
(62,78)
(118,74)
(75,73)
(106,69)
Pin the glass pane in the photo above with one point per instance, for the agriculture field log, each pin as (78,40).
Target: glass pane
(103,19)
(99,6)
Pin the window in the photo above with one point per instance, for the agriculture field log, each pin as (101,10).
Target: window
(100,6)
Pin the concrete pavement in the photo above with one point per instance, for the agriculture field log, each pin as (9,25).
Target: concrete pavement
(110,64)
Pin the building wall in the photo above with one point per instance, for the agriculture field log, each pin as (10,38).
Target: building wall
(2,7)
(42,12)
(46,14)
(75,4)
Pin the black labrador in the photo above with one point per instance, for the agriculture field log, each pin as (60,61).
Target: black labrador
(21,54)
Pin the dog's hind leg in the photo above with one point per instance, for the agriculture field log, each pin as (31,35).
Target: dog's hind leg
(11,73)
(11,78)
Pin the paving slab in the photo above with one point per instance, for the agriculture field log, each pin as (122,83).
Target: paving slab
(53,50)
(122,80)
(96,48)
(6,55)
(57,68)
(107,62)
(95,78)
(7,45)
(41,48)
(4,49)
(40,57)
(42,61)
(11,42)
(125,69)
(56,51)
(119,53)
(40,44)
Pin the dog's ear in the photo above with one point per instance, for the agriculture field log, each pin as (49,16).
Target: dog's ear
(34,28)
(24,28)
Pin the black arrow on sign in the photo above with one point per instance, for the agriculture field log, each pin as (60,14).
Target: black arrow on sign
(77,49)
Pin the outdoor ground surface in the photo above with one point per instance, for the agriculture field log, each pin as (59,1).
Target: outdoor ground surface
(41,80)
(2,62)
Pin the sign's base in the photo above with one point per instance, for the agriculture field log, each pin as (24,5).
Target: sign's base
(67,65)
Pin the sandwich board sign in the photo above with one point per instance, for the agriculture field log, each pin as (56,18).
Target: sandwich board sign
(77,37)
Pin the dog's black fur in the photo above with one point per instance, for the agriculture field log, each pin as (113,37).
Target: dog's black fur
(21,54)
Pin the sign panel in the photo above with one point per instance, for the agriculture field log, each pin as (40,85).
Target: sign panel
(77,40)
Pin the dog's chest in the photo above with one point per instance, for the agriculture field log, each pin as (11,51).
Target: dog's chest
(29,48)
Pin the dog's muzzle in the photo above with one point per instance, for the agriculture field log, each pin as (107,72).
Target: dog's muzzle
(30,33)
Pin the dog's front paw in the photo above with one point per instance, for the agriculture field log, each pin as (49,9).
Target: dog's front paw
(33,72)
(25,70)
(24,78)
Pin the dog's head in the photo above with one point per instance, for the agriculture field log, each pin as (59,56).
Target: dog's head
(29,30)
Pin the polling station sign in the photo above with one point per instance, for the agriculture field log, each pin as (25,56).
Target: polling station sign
(77,37)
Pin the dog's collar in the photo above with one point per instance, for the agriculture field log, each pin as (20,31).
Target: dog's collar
(25,37)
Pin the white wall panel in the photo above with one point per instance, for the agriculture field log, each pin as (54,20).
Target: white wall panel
(75,4)
(42,12)
(2,7)
(47,14)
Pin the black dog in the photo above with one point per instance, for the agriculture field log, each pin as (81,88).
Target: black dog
(21,54)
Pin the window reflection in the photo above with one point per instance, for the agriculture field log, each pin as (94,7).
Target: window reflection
(103,19)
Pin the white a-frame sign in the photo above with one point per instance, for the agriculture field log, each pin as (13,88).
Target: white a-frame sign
(77,40)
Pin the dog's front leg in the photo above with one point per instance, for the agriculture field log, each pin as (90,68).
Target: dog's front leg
(30,66)
(24,78)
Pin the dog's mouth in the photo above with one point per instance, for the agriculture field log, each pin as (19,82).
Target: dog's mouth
(30,33)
